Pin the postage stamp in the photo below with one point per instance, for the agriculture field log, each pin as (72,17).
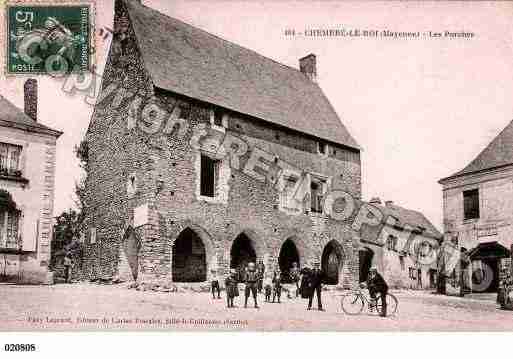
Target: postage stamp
(46,38)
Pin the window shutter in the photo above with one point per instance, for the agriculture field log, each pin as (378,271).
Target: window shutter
(28,230)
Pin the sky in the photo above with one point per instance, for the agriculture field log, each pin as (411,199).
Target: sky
(421,108)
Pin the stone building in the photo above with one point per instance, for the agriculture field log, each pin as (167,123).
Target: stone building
(404,250)
(27,172)
(161,206)
(478,211)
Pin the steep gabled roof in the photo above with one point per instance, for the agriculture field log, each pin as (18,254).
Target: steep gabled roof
(186,60)
(497,154)
(408,216)
(12,116)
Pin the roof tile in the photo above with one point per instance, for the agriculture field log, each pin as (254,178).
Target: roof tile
(12,115)
(184,59)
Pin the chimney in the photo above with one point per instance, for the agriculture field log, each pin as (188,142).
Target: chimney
(389,203)
(375,200)
(30,91)
(308,66)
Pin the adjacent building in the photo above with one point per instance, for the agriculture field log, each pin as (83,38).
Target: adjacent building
(478,211)
(158,206)
(404,249)
(27,173)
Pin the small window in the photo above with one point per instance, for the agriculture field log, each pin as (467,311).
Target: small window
(471,204)
(208,178)
(401,261)
(392,243)
(131,186)
(218,117)
(317,188)
(426,250)
(287,195)
(413,273)
(10,159)
(93,235)
(322,148)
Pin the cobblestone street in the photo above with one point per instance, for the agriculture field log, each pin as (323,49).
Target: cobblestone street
(89,307)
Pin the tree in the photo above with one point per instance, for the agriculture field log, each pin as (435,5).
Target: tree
(66,235)
(69,224)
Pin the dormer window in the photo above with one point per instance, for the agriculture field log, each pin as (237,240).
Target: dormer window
(322,148)
(10,164)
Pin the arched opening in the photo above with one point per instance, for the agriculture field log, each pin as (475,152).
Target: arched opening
(288,255)
(365,257)
(242,253)
(189,258)
(129,256)
(331,262)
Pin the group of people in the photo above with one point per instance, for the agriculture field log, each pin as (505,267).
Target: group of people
(308,284)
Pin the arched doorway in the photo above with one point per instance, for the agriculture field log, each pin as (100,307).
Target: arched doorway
(242,252)
(365,256)
(189,258)
(288,255)
(129,256)
(331,262)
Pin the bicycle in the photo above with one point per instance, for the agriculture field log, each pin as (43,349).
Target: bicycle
(354,302)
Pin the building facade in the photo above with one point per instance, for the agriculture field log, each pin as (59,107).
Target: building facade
(165,199)
(27,175)
(404,248)
(478,211)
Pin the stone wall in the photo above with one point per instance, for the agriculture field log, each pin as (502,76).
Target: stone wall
(114,155)
(166,171)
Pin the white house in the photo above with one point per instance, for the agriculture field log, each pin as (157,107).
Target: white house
(27,173)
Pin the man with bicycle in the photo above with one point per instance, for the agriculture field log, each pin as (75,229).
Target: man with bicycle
(376,284)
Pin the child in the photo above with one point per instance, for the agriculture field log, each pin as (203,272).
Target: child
(268,289)
(232,289)
(215,286)
(277,285)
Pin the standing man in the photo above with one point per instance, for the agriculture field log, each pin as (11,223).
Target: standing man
(277,285)
(67,267)
(232,289)
(376,284)
(315,279)
(294,276)
(251,278)
(261,272)
(215,285)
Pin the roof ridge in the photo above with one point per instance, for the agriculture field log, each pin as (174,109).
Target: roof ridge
(188,60)
(431,229)
(488,146)
(224,40)
(26,120)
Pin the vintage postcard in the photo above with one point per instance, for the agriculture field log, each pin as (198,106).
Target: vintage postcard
(256,166)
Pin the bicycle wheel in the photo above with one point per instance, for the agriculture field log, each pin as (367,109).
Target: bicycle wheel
(392,303)
(352,304)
